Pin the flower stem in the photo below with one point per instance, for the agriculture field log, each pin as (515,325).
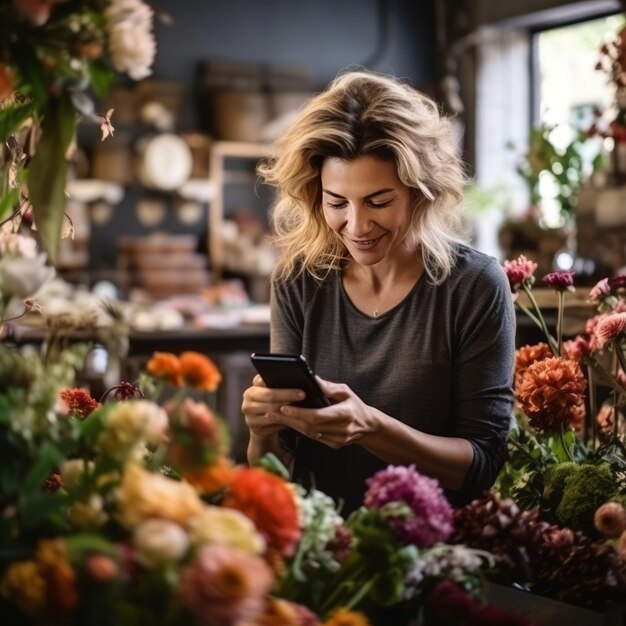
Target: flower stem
(538,318)
(563,445)
(559,322)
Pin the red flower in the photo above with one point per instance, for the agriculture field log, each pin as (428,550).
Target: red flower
(79,402)
(270,503)
(551,392)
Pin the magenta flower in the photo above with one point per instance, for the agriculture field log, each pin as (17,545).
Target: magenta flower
(431,519)
(618,282)
(561,280)
(519,272)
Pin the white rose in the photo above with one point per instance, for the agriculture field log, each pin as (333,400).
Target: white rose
(159,541)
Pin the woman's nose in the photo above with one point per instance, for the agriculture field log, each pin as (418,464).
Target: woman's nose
(359,222)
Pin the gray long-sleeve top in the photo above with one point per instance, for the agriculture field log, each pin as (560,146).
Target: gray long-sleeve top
(441,361)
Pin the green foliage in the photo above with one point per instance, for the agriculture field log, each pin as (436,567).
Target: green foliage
(585,490)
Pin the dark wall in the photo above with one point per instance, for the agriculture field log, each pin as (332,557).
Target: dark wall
(394,36)
(323,36)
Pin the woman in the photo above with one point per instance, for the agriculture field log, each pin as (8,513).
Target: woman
(410,331)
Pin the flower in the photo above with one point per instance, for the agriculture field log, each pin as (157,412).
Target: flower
(199,372)
(561,280)
(158,541)
(270,503)
(610,519)
(549,391)
(345,617)
(520,272)
(56,56)
(609,329)
(224,585)
(165,365)
(79,402)
(428,516)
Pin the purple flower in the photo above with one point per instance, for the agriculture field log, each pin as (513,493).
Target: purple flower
(618,282)
(561,280)
(431,518)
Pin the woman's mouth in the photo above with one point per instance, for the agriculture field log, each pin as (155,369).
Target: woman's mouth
(365,244)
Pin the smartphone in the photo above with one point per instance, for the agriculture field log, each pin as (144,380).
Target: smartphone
(290,371)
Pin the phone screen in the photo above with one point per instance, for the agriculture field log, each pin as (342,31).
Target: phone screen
(290,371)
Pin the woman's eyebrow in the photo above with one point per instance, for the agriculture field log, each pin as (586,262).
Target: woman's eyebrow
(368,197)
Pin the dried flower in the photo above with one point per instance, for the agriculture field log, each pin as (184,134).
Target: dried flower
(270,503)
(548,392)
(430,518)
(561,280)
(224,586)
(610,519)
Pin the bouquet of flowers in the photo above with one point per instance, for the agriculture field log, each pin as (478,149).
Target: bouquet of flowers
(556,515)
(128,509)
(55,57)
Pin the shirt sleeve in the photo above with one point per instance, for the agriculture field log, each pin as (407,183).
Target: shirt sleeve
(483,371)
(287,318)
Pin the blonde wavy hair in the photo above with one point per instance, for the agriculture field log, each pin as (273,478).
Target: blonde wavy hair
(362,113)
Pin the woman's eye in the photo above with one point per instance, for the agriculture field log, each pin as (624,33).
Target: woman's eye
(335,205)
(380,205)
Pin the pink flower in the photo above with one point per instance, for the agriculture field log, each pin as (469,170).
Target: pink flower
(35,11)
(610,519)
(610,328)
(561,280)
(225,585)
(431,519)
(520,271)
(200,419)
(618,282)
(577,348)
(599,291)
(101,567)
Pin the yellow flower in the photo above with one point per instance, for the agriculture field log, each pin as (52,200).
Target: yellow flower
(218,525)
(143,495)
(23,584)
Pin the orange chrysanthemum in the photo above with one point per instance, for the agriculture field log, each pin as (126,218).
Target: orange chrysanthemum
(165,365)
(527,355)
(211,478)
(550,392)
(79,402)
(270,503)
(345,617)
(199,372)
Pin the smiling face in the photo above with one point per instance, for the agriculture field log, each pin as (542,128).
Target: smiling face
(368,207)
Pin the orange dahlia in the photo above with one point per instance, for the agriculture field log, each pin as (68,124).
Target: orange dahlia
(270,503)
(550,393)
(199,372)
(165,365)
(526,355)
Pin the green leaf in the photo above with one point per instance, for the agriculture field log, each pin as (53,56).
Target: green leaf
(48,170)
(44,507)
(101,78)
(50,457)
(12,117)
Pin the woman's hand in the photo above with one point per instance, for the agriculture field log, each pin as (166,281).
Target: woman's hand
(261,407)
(346,420)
